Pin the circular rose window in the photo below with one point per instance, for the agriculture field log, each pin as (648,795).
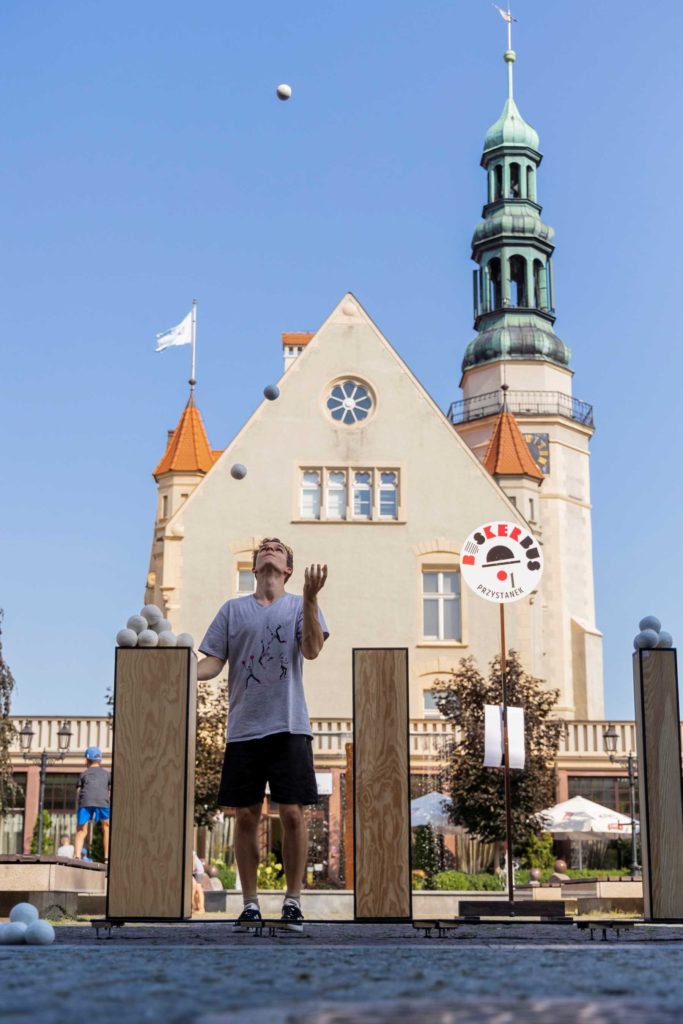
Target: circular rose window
(349,401)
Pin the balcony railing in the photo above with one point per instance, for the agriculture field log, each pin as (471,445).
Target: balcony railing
(579,739)
(523,403)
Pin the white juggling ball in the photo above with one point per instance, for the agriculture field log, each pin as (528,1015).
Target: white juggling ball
(137,622)
(271,392)
(646,638)
(184,640)
(167,639)
(24,912)
(14,933)
(162,626)
(283,91)
(40,933)
(127,638)
(650,622)
(238,471)
(151,614)
(665,639)
(148,638)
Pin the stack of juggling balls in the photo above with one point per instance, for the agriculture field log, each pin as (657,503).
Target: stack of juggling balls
(151,629)
(651,634)
(25,926)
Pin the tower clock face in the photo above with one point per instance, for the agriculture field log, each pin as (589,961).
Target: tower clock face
(539,446)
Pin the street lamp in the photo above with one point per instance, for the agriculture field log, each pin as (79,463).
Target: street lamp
(44,759)
(610,738)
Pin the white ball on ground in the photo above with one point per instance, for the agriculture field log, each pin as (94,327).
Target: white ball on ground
(167,638)
(162,626)
(25,912)
(646,638)
(148,638)
(238,471)
(283,91)
(138,623)
(650,622)
(13,933)
(665,639)
(184,640)
(40,933)
(127,638)
(271,392)
(151,614)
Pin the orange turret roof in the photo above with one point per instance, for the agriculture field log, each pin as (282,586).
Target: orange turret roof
(508,454)
(188,449)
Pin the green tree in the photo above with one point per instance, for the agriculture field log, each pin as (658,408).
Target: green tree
(478,793)
(427,855)
(212,709)
(96,850)
(10,792)
(48,837)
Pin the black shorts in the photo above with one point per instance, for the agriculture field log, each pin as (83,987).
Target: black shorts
(284,760)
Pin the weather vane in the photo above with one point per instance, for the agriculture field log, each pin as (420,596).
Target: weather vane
(507,17)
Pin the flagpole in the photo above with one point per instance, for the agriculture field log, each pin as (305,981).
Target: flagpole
(193,378)
(509,28)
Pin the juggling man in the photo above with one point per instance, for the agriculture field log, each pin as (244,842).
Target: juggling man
(269,731)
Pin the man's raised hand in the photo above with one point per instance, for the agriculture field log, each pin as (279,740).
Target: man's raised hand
(314,580)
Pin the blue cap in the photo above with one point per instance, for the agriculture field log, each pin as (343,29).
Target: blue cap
(93,754)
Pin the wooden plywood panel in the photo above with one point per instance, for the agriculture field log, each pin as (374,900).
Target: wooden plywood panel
(659,782)
(381,785)
(150,855)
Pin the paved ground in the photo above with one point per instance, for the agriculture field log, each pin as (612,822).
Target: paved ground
(338,974)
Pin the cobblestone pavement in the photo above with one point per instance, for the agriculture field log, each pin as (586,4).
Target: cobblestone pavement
(338,974)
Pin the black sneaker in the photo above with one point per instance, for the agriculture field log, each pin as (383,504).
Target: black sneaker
(292,918)
(249,918)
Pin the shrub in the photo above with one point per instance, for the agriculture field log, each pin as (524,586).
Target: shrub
(538,852)
(270,875)
(228,876)
(471,883)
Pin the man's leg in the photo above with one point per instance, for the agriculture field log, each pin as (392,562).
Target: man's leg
(246,847)
(81,833)
(105,838)
(294,846)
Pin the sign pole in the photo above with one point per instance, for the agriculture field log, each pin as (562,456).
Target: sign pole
(506,758)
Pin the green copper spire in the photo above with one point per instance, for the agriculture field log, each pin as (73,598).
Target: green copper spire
(513,286)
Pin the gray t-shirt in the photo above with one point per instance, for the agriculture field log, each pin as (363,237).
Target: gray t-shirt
(261,644)
(93,787)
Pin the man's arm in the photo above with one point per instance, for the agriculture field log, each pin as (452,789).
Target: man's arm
(312,638)
(209,667)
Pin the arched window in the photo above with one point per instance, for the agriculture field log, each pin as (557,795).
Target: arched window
(515,182)
(518,291)
(495,284)
(540,290)
(530,184)
(499,181)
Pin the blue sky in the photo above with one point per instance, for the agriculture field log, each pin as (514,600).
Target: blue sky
(147,161)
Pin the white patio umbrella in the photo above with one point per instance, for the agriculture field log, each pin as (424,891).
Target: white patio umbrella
(583,820)
(432,809)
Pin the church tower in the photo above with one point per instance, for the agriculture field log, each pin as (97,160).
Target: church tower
(517,369)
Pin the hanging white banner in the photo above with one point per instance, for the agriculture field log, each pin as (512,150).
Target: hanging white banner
(494,750)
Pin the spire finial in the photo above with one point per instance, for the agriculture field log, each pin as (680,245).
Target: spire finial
(509,56)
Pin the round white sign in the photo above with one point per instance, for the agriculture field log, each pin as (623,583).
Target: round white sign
(501,562)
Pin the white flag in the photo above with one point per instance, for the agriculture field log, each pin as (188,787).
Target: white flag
(179,335)
(505,15)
